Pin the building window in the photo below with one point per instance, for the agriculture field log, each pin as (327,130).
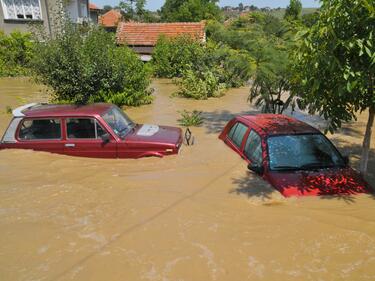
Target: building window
(22,9)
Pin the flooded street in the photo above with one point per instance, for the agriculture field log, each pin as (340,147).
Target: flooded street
(199,215)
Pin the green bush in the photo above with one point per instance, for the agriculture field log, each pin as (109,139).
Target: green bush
(190,118)
(172,57)
(16,50)
(85,65)
(200,85)
(233,68)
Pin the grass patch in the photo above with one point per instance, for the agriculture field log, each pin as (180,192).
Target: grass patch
(190,118)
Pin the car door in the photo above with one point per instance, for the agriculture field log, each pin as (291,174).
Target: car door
(236,136)
(41,134)
(84,138)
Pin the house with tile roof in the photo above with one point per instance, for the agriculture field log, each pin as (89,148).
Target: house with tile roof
(110,20)
(142,37)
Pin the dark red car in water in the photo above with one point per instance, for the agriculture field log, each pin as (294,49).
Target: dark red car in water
(97,130)
(292,156)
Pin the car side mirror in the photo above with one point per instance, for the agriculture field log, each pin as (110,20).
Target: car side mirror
(106,138)
(346,160)
(256,168)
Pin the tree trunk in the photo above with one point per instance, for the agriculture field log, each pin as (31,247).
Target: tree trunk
(367,141)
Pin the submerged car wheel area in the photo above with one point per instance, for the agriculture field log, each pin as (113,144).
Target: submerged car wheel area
(292,156)
(97,130)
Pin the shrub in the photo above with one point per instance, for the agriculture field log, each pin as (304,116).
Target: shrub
(233,68)
(200,85)
(16,50)
(172,57)
(85,65)
(190,118)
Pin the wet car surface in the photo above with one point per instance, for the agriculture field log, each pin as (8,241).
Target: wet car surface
(96,130)
(292,156)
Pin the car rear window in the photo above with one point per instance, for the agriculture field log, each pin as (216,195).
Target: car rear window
(237,133)
(40,129)
(83,128)
(253,148)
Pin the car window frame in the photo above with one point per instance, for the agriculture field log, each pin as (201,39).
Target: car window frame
(261,145)
(83,139)
(239,148)
(39,140)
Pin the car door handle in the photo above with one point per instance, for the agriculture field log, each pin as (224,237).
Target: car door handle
(70,145)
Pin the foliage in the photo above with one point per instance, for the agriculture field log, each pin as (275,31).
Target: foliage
(339,47)
(310,19)
(232,67)
(293,11)
(8,109)
(265,40)
(334,63)
(189,10)
(85,65)
(271,83)
(16,50)
(199,85)
(135,10)
(190,118)
(172,57)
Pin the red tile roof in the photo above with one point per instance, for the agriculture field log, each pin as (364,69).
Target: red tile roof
(147,34)
(92,6)
(110,18)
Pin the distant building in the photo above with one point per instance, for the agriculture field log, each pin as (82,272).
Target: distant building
(19,14)
(77,10)
(142,37)
(94,13)
(110,20)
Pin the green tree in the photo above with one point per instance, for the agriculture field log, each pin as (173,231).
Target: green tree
(172,56)
(334,70)
(107,8)
(134,9)
(293,11)
(240,7)
(190,10)
(16,51)
(85,65)
(271,80)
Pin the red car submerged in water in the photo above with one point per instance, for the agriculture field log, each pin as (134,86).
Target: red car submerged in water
(292,156)
(97,130)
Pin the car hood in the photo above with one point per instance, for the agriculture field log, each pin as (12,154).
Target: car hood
(154,134)
(333,181)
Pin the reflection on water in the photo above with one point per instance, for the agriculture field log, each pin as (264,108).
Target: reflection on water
(199,215)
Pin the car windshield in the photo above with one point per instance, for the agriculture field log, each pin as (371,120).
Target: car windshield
(120,123)
(302,152)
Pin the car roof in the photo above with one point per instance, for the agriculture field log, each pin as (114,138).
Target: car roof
(62,110)
(278,124)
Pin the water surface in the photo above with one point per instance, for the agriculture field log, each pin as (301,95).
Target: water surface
(199,215)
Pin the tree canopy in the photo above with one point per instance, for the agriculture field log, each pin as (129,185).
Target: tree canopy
(334,64)
(190,10)
(293,11)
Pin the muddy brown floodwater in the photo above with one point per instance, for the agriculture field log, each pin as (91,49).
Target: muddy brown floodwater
(196,216)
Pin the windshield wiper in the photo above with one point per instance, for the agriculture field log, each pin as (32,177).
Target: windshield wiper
(285,168)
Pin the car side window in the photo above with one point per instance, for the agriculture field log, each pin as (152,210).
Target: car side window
(237,133)
(83,128)
(40,129)
(253,148)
